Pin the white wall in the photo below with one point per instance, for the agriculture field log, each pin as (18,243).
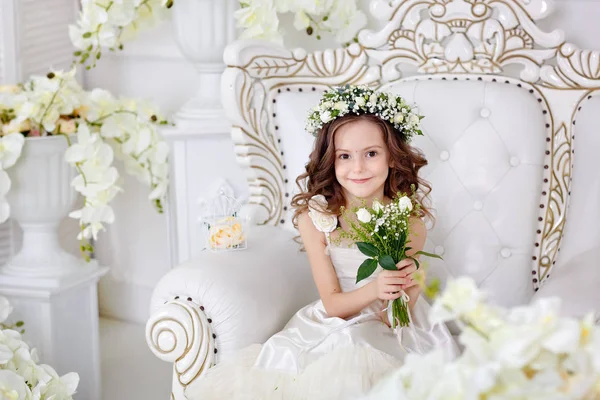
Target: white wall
(135,247)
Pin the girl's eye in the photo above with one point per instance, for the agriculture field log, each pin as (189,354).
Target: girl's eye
(344,156)
(372,153)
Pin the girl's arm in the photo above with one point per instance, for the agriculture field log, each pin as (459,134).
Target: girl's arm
(337,303)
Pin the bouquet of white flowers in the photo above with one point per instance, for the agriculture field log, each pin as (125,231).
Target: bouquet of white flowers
(56,104)
(381,233)
(21,377)
(528,352)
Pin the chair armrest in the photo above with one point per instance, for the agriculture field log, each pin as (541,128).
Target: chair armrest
(576,282)
(242,297)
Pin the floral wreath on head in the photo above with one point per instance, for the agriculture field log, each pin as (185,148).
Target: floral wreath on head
(339,101)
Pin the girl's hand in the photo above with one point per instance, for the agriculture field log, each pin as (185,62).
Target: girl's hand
(388,285)
(408,270)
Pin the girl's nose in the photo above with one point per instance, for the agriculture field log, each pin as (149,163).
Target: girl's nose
(359,164)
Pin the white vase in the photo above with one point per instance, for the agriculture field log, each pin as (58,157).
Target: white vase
(40,197)
(203,28)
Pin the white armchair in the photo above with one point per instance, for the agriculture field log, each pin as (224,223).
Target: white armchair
(500,151)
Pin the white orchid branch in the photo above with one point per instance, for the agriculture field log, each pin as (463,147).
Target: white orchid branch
(55,104)
(106,25)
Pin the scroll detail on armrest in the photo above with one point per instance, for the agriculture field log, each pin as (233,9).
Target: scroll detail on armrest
(247,295)
(179,332)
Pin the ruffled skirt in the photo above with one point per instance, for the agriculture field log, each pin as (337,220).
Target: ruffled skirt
(345,373)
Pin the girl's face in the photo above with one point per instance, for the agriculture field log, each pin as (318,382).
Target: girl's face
(361,160)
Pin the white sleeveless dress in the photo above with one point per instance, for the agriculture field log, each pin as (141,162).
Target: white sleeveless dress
(321,357)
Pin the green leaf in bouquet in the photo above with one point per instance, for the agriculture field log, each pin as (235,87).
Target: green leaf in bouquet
(387,262)
(366,269)
(416,262)
(424,253)
(368,249)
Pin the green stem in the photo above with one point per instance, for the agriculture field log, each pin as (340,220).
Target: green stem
(400,313)
(317,24)
(41,123)
(95,122)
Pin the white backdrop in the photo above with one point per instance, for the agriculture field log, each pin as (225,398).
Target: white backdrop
(136,245)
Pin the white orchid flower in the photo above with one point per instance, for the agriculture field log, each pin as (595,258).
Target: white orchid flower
(4,206)
(11,147)
(59,387)
(118,124)
(99,180)
(5,309)
(460,297)
(13,386)
(259,21)
(301,20)
(138,141)
(159,192)
(6,354)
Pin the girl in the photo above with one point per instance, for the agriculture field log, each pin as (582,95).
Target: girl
(341,345)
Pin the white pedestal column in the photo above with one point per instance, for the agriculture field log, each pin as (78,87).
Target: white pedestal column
(61,321)
(203,28)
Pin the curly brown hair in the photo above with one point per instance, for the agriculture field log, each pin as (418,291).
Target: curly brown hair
(319,177)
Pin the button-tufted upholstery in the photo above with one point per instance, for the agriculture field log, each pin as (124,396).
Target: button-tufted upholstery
(485,143)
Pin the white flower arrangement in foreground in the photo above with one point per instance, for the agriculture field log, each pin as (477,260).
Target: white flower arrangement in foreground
(21,375)
(107,24)
(526,353)
(97,127)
